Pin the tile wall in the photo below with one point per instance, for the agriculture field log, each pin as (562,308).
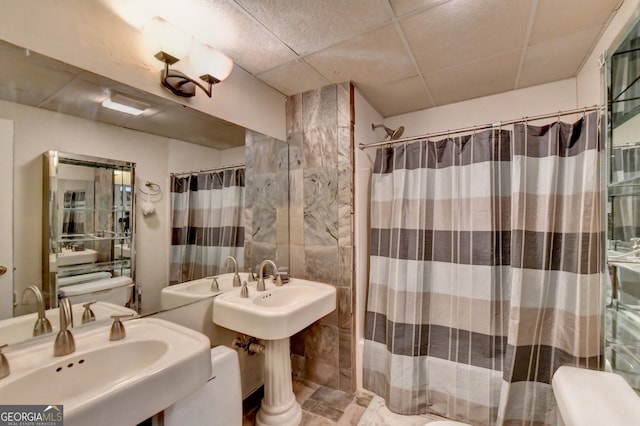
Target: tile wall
(319,136)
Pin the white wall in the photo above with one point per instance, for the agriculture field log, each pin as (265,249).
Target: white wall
(37,131)
(536,100)
(92,36)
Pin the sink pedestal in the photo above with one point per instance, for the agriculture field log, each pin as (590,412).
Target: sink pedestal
(279,406)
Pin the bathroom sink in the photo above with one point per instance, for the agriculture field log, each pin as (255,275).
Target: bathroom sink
(191,291)
(17,329)
(70,257)
(105,382)
(278,312)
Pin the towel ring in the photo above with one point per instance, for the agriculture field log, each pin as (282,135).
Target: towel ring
(152,189)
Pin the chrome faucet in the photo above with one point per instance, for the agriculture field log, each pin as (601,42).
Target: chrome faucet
(64,344)
(260,286)
(236,277)
(42,325)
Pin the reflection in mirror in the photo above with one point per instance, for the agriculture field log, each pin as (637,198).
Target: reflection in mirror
(170,137)
(207,220)
(622,319)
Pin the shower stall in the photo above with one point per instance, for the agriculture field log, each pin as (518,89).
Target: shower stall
(486,268)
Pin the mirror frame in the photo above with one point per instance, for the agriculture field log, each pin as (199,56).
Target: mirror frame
(52,161)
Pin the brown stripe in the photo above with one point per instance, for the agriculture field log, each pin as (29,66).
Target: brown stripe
(489,145)
(465,214)
(227,236)
(208,180)
(576,335)
(470,248)
(452,344)
(560,213)
(570,252)
(537,363)
(557,139)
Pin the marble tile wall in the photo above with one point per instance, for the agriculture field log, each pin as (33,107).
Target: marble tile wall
(320,212)
(266,199)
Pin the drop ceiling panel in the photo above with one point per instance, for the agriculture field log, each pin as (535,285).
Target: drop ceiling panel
(473,80)
(402,7)
(373,58)
(462,31)
(558,18)
(234,32)
(293,78)
(308,26)
(556,59)
(397,97)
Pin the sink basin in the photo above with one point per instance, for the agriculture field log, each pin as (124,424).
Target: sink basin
(69,257)
(192,291)
(278,312)
(17,329)
(106,382)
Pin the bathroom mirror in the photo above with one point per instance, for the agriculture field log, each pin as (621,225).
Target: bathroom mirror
(622,313)
(171,138)
(88,228)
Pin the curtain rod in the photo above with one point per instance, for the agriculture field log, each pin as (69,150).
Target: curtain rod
(214,169)
(483,127)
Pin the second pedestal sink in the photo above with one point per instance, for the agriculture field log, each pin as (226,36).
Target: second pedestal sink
(110,382)
(275,315)
(191,291)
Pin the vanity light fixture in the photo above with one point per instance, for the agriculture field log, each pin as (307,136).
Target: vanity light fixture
(172,45)
(121,103)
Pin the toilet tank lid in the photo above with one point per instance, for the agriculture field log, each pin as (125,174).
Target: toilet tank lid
(590,397)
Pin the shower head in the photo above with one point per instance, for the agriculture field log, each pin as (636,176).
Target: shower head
(392,134)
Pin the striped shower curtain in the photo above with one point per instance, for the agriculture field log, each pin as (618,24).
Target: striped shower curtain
(486,267)
(207,217)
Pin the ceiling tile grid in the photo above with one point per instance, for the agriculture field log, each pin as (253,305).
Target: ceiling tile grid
(461,48)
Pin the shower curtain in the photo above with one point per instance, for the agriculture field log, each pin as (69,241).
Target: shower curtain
(207,216)
(485,271)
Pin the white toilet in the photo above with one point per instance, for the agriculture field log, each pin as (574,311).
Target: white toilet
(589,397)
(219,401)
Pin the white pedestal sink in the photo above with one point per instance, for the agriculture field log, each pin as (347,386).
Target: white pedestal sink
(110,382)
(191,291)
(275,315)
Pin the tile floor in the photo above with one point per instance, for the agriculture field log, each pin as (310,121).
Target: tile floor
(322,406)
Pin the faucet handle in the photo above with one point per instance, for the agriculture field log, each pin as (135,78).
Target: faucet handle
(4,363)
(117,328)
(244,291)
(88,315)
(214,284)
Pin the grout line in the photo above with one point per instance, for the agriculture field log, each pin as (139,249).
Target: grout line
(527,37)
